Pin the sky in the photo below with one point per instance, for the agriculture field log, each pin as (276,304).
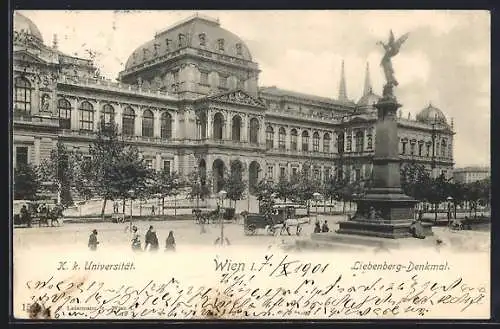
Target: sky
(445,61)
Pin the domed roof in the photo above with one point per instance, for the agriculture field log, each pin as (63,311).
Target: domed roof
(199,32)
(24,24)
(368,99)
(431,114)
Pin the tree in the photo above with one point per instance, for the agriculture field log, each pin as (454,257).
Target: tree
(199,185)
(284,189)
(59,169)
(234,183)
(307,185)
(116,167)
(166,183)
(265,195)
(415,180)
(26,182)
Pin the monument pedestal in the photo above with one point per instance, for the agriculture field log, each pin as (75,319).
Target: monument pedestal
(385,211)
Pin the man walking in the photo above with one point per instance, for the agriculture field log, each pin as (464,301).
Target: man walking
(151,240)
(93,240)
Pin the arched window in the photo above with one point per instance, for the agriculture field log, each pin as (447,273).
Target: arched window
(340,143)
(326,143)
(412,147)
(316,142)
(128,122)
(404,142)
(428,147)
(360,141)
(166,125)
(305,140)
(420,148)
(369,142)
(148,123)
(281,138)
(64,108)
(293,140)
(443,148)
(218,126)
(22,96)
(236,128)
(86,116)
(254,131)
(108,113)
(348,139)
(269,137)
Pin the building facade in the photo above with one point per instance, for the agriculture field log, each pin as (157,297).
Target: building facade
(190,98)
(471,174)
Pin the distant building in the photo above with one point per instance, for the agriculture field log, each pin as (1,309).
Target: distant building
(189,98)
(471,174)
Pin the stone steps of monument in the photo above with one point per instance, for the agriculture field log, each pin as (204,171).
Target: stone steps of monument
(308,245)
(356,238)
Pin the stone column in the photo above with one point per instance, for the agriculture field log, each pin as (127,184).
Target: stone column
(118,118)
(288,138)
(157,123)
(210,123)
(276,137)
(158,162)
(97,114)
(36,144)
(244,128)
(75,115)
(138,122)
(228,126)
(299,140)
(262,131)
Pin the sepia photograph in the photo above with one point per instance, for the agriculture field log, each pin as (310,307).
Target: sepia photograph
(250,164)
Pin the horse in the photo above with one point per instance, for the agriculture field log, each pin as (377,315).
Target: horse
(50,217)
(456,224)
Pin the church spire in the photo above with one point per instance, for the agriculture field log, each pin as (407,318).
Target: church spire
(342,87)
(368,83)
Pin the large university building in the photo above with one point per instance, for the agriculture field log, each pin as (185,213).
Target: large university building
(190,97)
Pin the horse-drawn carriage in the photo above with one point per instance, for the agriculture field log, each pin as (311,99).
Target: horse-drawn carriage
(282,219)
(40,212)
(207,216)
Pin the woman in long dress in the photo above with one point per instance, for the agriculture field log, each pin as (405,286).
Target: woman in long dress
(170,243)
(136,240)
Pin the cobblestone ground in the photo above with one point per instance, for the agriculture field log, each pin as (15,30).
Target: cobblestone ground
(187,233)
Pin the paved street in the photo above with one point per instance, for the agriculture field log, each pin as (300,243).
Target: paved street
(187,233)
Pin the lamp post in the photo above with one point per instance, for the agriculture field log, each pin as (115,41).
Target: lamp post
(131,194)
(450,200)
(222,195)
(317,198)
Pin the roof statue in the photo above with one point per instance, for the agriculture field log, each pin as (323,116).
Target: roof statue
(391,49)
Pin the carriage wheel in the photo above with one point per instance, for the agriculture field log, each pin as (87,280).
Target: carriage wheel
(250,229)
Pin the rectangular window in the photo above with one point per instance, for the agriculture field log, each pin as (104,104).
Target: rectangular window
(357,174)
(412,148)
(21,156)
(270,172)
(420,147)
(294,172)
(317,175)
(223,82)
(166,165)
(86,120)
(204,78)
(282,172)
(220,44)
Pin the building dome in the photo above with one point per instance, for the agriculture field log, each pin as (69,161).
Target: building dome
(368,99)
(197,32)
(22,24)
(431,114)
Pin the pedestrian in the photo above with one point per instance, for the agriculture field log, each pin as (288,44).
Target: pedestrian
(151,240)
(136,239)
(317,227)
(153,210)
(25,215)
(170,243)
(325,228)
(93,240)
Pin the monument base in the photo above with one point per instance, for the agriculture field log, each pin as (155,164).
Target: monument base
(384,213)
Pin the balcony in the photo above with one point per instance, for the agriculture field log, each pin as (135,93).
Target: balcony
(35,119)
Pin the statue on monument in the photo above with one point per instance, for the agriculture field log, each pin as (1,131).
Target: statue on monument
(391,49)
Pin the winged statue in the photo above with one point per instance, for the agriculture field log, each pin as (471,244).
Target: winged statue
(391,49)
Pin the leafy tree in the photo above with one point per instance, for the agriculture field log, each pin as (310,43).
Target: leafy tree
(199,185)
(116,167)
(265,195)
(307,185)
(83,174)
(59,169)
(26,182)
(415,180)
(284,189)
(166,183)
(234,183)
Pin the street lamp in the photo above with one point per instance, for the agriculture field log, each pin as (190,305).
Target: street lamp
(222,195)
(317,197)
